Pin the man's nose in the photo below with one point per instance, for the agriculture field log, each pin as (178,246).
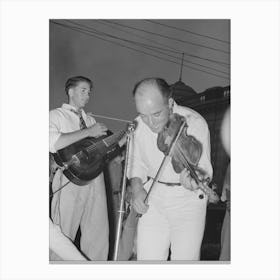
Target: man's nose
(151,120)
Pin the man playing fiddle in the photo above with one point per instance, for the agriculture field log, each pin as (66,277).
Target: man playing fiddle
(74,205)
(174,215)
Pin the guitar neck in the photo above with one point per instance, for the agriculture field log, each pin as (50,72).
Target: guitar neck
(112,139)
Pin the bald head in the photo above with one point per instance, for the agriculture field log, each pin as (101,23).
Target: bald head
(153,102)
(157,84)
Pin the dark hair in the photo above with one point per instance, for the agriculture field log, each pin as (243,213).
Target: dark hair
(73,82)
(161,84)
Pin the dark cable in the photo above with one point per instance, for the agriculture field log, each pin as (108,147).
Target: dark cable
(170,38)
(91,29)
(161,58)
(168,48)
(187,31)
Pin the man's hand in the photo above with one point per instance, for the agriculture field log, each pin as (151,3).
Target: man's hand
(138,201)
(187,181)
(97,130)
(122,141)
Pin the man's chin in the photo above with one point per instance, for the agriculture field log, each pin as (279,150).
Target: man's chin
(156,129)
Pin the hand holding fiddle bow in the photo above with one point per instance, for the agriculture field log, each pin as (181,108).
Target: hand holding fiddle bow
(186,152)
(187,181)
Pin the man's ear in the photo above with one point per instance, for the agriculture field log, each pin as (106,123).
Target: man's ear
(70,92)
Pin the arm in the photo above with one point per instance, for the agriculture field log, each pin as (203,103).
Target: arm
(66,139)
(137,173)
(138,195)
(59,139)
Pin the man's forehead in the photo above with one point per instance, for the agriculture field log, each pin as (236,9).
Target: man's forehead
(151,95)
(83,84)
(148,88)
(149,104)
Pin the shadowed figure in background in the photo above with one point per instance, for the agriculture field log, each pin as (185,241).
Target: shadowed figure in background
(225,234)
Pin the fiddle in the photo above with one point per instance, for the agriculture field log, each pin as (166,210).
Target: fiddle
(186,152)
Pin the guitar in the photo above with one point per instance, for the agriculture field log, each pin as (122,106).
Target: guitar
(84,160)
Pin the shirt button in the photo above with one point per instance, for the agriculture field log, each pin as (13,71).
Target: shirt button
(201,196)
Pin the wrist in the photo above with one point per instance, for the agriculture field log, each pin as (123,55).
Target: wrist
(85,132)
(136,185)
(137,189)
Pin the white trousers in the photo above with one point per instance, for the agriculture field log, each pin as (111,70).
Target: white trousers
(176,220)
(85,206)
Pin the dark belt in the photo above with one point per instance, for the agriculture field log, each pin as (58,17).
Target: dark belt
(201,196)
(166,183)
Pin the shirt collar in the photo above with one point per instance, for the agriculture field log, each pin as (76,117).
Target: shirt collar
(175,107)
(72,108)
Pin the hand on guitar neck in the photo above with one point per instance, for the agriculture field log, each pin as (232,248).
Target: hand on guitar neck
(130,128)
(122,141)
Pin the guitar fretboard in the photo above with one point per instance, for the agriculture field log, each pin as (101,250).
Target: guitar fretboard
(112,139)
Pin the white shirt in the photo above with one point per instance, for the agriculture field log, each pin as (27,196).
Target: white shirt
(63,120)
(145,157)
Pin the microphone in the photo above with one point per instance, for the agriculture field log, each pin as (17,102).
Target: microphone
(132,126)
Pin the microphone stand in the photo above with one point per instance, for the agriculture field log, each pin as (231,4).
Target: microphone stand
(131,128)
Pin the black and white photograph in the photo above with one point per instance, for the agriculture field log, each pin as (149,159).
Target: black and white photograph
(139,140)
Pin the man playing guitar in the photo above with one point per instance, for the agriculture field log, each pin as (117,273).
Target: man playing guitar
(75,206)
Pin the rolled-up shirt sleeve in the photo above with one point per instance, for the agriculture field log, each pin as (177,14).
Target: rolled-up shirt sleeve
(199,129)
(136,166)
(54,130)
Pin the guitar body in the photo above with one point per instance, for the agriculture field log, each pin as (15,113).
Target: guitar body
(84,160)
